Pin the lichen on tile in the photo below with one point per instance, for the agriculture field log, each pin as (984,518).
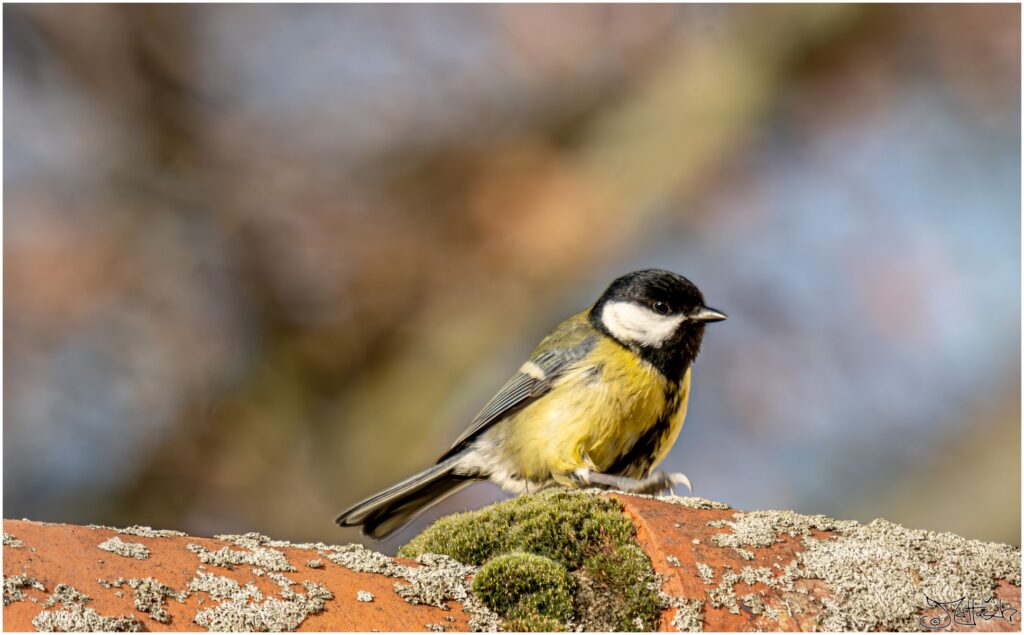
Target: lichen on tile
(142,531)
(14,584)
(148,595)
(256,556)
(135,550)
(878,575)
(73,616)
(245,608)
(12,542)
(689,615)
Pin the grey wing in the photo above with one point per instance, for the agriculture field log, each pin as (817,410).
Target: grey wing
(532,381)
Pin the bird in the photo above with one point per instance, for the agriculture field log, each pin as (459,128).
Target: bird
(599,403)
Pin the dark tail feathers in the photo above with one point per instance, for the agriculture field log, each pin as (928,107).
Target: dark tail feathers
(386,512)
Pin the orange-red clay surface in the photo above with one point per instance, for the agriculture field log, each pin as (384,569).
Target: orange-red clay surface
(676,538)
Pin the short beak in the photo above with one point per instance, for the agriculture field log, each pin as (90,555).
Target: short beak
(707,314)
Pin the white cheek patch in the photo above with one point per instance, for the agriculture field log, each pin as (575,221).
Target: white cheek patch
(630,322)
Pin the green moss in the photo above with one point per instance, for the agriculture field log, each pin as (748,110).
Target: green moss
(533,624)
(560,524)
(557,545)
(626,574)
(524,586)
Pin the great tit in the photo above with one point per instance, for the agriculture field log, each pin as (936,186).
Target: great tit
(599,403)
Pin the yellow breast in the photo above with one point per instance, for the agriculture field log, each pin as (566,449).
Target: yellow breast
(595,414)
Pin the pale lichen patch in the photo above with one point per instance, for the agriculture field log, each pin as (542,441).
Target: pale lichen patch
(15,583)
(37,522)
(142,531)
(251,540)
(79,619)
(879,575)
(270,615)
(149,598)
(12,542)
(693,502)
(689,615)
(705,573)
(222,588)
(135,550)
(110,584)
(724,595)
(75,617)
(754,602)
(362,560)
(439,579)
(244,607)
(67,595)
(436,581)
(257,556)
(309,546)
(148,595)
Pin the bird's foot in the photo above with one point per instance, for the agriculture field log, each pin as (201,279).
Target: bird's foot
(657,483)
(663,482)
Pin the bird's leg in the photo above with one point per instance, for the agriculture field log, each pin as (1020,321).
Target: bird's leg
(656,483)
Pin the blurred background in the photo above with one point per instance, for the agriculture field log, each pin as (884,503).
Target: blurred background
(261,261)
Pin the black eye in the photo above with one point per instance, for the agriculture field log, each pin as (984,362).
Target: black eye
(662,308)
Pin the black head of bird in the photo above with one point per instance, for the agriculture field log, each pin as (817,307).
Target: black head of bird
(659,314)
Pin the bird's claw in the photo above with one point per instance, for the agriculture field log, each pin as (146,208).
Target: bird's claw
(657,483)
(678,478)
(661,482)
